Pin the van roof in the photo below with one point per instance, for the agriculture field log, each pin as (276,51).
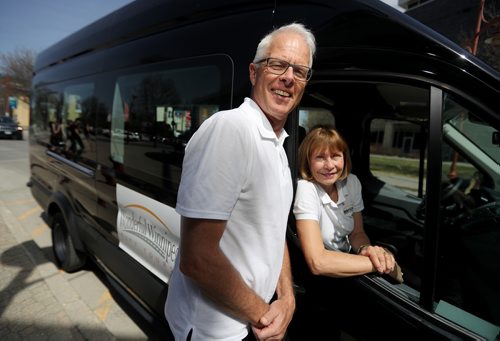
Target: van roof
(350,24)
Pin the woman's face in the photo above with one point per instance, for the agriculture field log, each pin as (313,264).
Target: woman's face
(326,166)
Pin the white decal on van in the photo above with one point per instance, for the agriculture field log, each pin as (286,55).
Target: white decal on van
(148,231)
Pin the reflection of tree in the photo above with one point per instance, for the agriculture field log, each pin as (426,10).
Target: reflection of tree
(153,91)
(88,116)
(487,52)
(41,112)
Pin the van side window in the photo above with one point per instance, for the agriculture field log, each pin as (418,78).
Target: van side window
(469,229)
(63,120)
(154,113)
(468,271)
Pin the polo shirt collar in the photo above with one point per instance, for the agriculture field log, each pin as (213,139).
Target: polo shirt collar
(265,129)
(325,198)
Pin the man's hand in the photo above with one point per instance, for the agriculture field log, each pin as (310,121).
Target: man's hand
(276,320)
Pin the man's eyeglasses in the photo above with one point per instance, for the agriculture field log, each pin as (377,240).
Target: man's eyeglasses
(278,67)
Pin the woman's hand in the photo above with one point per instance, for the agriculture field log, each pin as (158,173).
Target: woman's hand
(383,261)
(397,274)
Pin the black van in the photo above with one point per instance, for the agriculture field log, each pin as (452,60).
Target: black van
(115,104)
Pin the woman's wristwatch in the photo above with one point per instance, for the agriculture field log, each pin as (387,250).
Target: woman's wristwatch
(362,247)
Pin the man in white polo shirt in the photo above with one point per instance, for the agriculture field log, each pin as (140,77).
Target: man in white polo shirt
(234,199)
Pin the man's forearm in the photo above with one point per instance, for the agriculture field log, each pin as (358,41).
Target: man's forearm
(207,266)
(221,283)
(284,288)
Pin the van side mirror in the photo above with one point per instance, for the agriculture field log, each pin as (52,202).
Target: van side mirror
(495,138)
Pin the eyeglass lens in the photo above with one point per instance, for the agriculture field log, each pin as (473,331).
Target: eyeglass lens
(280,66)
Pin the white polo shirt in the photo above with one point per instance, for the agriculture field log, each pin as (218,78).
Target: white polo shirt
(334,218)
(235,169)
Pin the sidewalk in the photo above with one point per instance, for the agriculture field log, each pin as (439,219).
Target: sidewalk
(36,301)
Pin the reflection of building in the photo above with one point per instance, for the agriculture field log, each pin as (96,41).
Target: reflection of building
(22,112)
(11,103)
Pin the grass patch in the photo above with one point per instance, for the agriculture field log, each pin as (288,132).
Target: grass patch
(410,167)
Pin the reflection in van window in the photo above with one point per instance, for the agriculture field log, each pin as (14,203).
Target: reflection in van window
(473,128)
(154,114)
(70,120)
(45,116)
(78,119)
(468,273)
(311,117)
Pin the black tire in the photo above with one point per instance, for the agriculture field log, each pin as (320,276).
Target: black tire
(67,257)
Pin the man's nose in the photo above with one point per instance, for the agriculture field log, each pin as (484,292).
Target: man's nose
(288,75)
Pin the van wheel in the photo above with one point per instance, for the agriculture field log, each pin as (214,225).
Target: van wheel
(67,257)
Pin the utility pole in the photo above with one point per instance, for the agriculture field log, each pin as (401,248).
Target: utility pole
(6,85)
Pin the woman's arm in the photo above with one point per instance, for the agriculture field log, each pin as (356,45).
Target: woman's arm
(382,259)
(358,237)
(326,262)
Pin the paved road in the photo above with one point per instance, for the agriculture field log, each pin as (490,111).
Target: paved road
(38,301)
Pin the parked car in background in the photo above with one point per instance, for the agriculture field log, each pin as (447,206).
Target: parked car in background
(421,116)
(10,128)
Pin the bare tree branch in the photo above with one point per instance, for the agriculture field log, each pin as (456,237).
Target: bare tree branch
(17,66)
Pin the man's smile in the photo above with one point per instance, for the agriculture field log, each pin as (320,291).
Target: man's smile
(281,93)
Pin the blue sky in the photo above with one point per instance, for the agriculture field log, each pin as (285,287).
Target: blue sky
(37,24)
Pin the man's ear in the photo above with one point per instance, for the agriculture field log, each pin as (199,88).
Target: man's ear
(252,69)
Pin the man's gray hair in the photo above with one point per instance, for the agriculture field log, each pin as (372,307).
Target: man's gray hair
(265,43)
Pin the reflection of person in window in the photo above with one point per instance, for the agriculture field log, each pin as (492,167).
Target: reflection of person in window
(174,127)
(56,136)
(328,209)
(76,144)
(169,131)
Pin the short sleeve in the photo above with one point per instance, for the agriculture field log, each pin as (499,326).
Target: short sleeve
(214,168)
(307,204)
(354,188)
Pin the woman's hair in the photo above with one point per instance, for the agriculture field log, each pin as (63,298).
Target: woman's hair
(322,138)
(265,43)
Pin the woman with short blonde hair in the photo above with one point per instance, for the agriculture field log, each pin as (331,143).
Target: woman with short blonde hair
(327,210)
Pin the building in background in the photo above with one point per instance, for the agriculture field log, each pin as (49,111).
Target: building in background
(21,113)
